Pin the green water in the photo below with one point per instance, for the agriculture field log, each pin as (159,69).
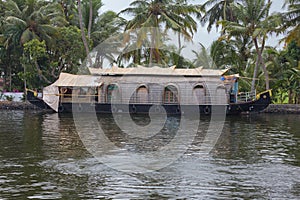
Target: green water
(256,157)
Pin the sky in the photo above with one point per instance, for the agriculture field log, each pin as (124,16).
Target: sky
(118,5)
(202,35)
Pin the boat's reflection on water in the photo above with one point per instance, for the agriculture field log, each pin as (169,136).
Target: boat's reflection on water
(140,142)
(44,156)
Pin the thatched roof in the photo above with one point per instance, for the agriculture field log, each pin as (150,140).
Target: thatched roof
(69,80)
(158,71)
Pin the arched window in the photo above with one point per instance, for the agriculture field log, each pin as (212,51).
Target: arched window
(112,92)
(199,94)
(220,95)
(170,94)
(142,94)
(66,94)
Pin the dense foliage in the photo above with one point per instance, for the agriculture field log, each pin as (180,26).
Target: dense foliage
(40,39)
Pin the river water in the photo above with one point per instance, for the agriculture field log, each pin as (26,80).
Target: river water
(43,157)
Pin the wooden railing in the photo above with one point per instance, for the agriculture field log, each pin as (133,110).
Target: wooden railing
(246,96)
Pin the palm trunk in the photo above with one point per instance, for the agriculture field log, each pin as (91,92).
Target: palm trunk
(254,76)
(153,44)
(10,77)
(150,57)
(84,40)
(224,10)
(6,78)
(25,83)
(261,61)
(263,65)
(90,19)
(224,17)
(82,29)
(179,41)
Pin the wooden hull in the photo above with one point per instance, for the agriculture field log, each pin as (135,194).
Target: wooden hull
(257,105)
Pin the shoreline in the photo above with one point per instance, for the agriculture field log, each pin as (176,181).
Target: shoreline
(283,109)
(14,105)
(272,108)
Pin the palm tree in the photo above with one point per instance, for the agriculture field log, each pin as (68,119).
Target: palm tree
(203,58)
(2,14)
(255,22)
(91,18)
(173,57)
(217,10)
(69,10)
(285,69)
(163,15)
(27,20)
(35,19)
(90,14)
(233,53)
(189,11)
(82,29)
(292,19)
(106,27)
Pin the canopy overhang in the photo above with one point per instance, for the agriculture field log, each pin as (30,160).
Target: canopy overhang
(70,80)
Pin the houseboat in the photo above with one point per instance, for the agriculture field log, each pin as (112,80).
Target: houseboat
(142,90)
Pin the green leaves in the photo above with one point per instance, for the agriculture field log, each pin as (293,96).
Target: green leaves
(164,15)
(47,34)
(35,49)
(284,68)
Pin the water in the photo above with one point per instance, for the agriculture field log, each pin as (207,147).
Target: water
(256,157)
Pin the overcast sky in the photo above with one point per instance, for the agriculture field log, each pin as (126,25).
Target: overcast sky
(117,5)
(202,36)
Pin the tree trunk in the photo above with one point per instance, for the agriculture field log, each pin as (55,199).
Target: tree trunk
(82,29)
(25,83)
(290,97)
(90,19)
(10,79)
(261,61)
(265,72)
(5,78)
(179,41)
(224,10)
(153,45)
(254,76)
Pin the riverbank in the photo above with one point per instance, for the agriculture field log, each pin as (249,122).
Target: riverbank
(13,105)
(283,108)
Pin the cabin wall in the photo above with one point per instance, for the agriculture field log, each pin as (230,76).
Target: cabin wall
(154,90)
(185,87)
(78,94)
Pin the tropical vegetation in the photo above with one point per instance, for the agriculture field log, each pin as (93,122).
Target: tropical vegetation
(40,39)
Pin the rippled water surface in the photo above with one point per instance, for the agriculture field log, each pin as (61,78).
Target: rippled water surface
(43,157)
